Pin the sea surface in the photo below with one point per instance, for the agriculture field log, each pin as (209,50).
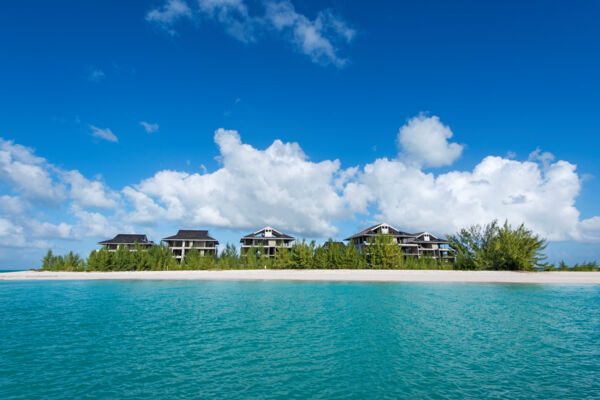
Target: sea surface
(281,340)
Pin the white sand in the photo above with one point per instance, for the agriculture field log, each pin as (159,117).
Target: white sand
(324,275)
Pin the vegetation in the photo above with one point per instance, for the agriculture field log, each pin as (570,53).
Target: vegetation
(496,247)
(69,262)
(585,267)
(302,255)
(491,247)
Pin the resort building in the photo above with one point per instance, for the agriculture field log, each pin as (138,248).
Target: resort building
(126,240)
(421,244)
(269,238)
(186,240)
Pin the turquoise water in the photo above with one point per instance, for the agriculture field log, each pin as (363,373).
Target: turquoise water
(176,339)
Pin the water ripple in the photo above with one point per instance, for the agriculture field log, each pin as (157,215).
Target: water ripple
(154,339)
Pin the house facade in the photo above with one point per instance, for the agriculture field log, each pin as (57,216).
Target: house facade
(269,238)
(126,240)
(418,245)
(186,240)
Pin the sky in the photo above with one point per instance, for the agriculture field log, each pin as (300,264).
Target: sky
(316,118)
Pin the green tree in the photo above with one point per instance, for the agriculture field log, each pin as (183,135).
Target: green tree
(352,258)
(47,260)
(192,260)
(139,258)
(283,258)
(228,259)
(160,258)
(302,254)
(495,247)
(383,252)
(320,259)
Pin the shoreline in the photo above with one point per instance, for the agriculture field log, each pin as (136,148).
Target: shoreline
(318,275)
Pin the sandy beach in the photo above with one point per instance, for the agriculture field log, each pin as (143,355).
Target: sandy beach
(322,275)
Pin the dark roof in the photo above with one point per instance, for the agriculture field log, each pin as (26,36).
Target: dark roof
(367,232)
(183,234)
(123,238)
(276,235)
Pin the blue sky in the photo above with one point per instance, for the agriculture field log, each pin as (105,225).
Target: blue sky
(433,110)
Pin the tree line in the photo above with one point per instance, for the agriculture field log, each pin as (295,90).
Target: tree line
(302,255)
(489,247)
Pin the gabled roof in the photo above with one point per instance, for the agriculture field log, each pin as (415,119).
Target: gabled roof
(260,234)
(186,234)
(124,238)
(433,238)
(371,231)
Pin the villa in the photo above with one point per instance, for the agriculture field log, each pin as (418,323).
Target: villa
(186,240)
(269,238)
(126,240)
(421,244)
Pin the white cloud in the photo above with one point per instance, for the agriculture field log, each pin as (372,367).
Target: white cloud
(233,15)
(497,188)
(145,210)
(282,187)
(543,157)
(319,39)
(27,174)
(316,38)
(168,14)
(47,230)
(11,235)
(88,193)
(94,224)
(41,186)
(105,134)
(590,230)
(150,128)
(424,142)
(277,186)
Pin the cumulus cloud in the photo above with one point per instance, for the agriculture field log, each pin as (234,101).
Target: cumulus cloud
(105,134)
(590,230)
(18,229)
(148,127)
(280,186)
(319,38)
(168,14)
(38,186)
(94,224)
(277,186)
(27,174)
(86,193)
(11,235)
(424,142)
(497,188)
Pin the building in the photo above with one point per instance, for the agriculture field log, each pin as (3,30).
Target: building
(186,240)
(269,238)
(421,244)
(126,240)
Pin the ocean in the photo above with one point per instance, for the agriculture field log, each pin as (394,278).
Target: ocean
(282,340)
